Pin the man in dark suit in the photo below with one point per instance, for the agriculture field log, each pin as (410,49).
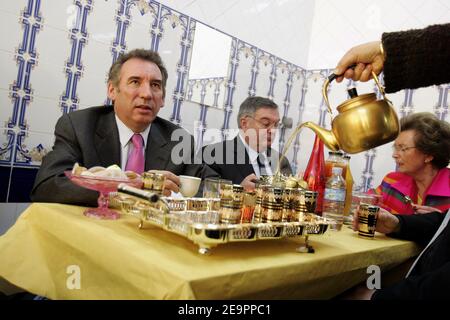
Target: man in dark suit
(428,277)
(129,134)
(249,155)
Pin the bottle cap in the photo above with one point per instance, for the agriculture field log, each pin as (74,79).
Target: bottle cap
(336,170)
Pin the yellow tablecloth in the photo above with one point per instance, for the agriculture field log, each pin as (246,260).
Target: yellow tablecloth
(119,261)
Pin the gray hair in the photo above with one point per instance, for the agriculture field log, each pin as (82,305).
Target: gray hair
(144,54)
(250,105)
(432,136)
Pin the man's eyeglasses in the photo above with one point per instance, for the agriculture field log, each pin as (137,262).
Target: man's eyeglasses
(267,124)
(401,149)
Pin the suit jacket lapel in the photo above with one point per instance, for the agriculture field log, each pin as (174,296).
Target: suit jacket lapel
(106,140)
(247,168)
(156,154)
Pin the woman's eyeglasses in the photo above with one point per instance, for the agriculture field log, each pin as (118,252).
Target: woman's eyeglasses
(401,149)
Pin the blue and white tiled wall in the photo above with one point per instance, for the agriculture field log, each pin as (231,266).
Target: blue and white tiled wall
(55,56)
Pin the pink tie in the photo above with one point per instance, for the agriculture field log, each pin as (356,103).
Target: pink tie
(136,157)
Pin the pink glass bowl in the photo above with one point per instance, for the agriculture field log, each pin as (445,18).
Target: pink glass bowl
(104,186)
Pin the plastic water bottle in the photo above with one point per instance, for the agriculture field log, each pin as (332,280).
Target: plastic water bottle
(334,198)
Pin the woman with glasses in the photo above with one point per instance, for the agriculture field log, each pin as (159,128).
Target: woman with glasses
(421,151)
(412,59)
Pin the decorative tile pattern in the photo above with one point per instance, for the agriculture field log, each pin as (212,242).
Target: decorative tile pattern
(294,162)
(21,92)
(206,91)
(6,148)
(183,65)
(74,67)
(175,21)
(236,46)
(441,108)
(286,76)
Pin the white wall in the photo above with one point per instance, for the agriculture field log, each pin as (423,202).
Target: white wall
(340,25)
(313,34)
(281,27)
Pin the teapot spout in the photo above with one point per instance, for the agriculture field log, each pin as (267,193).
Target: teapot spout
(325,135)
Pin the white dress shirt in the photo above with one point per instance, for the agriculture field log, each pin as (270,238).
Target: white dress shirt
(253,155)
(126,146)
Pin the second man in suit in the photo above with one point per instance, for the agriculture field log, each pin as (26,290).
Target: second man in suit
(249,155)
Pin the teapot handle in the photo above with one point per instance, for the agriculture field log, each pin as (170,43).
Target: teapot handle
(333,76)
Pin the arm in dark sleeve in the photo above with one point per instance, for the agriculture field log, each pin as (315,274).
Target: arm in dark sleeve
(207,154)
(430,285)
(195,165)
(51,185)
(418,228)
(417,58)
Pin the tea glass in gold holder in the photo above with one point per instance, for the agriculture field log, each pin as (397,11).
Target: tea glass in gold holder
(231,199)
(197,204)
(248,207)
(304,203)
(211,187)
(260,189)
(272,205)
(310,200)
(359,198)
(176,204)
(367,220)
(141,208)
(213,204)
(191,204)
(154,181)
(290,198)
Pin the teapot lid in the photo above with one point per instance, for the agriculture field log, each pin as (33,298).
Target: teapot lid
(356,102)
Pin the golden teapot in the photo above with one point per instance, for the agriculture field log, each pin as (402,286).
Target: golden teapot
(363,121)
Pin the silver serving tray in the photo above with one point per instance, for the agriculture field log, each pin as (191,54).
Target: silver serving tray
(202,227)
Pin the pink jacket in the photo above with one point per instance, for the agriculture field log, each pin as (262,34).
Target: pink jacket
(395,186)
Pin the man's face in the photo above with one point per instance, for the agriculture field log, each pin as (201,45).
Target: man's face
(260,130)
(139,95)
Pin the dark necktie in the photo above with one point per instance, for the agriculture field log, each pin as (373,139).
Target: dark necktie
(262,164)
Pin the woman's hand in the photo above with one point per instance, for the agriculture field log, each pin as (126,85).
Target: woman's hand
(386,221)
(424,209)
(367,58)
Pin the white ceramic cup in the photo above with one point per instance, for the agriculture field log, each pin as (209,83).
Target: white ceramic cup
(189,185)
